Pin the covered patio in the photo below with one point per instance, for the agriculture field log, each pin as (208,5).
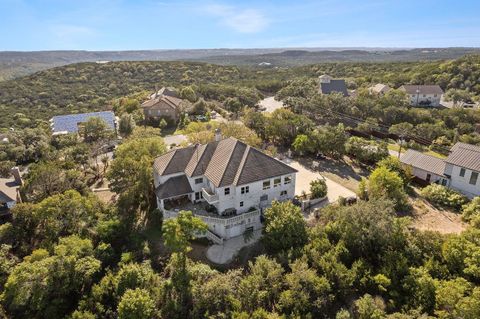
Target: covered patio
(175,190)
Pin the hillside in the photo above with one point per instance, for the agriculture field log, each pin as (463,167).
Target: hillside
(91,86)
(15,64)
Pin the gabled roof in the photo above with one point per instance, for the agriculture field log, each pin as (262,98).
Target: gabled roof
(334,86)
(173,102)
(8,190)
(227,162)
(465,155)
(422,89)
(168,91)
(173,187)
(425,162)
(378,88)
(69,123)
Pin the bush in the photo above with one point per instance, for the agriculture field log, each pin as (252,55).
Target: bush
(471,211)
(318,188)
(441,196)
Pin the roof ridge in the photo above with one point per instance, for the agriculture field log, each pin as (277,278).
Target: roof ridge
(228,161)
(242,164)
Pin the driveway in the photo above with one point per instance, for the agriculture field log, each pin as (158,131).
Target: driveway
(305,175)
(223,254)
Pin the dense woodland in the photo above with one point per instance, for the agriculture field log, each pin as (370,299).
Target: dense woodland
(67,254)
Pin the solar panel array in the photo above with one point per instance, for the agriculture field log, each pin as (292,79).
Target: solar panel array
(69,123)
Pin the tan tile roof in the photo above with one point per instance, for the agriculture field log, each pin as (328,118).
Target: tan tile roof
(171,101)
(8,190)
(465,155)
(425,162)
(227,162)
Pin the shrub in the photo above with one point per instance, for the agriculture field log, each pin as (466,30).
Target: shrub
(441,196)
(318,188)
(471,211)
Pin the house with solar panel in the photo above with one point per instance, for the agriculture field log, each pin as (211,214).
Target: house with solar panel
(459,171)
(226,183)
(65,124)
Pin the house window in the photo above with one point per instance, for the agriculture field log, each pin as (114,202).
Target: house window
(241,204)
(444,182)
(266,185)
(245,190)
(428,177)
(198,195)
(287,180)
(283,193)
(264,197)
(227,191)
(277,182)
(199,180)
(473,178)
(462,172)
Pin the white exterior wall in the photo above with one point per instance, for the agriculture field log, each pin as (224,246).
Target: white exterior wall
(462,184)
(422,174)
(252,198)
(416,99)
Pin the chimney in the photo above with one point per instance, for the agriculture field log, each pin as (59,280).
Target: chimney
(156,90)
(16,175)
(218,135)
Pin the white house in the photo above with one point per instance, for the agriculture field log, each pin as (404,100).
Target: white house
(423,95)
(328,85)
(227,183)
(459,171)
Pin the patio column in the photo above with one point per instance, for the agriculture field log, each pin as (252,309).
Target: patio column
(161,206)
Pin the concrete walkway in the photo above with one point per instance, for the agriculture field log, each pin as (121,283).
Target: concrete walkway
(223,254)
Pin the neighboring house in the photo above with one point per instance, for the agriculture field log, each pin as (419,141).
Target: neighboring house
(423,95)
(227,183)
(459,171)
(9,194)
(379,89)
(463,168)
(167,91)
(328,85)
(162,106)
(64,124)
(425,167)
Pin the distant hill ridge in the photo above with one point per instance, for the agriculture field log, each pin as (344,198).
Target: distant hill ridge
(19,63)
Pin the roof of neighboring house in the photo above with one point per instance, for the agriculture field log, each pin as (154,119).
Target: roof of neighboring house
(378,88)
(173,102)
(8,190)
(227,162)
(422,89)
(168,91)
(334,86)
(69,123)
(465,155)
(174,186)
(425,162)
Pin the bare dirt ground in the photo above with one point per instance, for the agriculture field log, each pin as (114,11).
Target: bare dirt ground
(427,217)
(342,172)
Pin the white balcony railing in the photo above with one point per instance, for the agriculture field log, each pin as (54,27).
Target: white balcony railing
(209,196)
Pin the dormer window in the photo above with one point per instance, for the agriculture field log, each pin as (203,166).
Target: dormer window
(227,191)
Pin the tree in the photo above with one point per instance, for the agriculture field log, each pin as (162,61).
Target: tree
(366,151)
(262,286)
(95,129)
(318,188)
(188,93)
(303,144)
(177,232)
(393,164)
(285,227)
(131,175)
(457,95)
(385,183)
(136,304)
(471,211)
(200,107)
(48,285)
(126,125)
(368,307)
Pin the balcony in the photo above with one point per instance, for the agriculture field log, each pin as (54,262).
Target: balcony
(209,196)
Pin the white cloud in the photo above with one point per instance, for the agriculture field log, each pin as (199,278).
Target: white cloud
(240,20)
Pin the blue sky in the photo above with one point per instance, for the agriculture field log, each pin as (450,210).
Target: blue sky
(148,24)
